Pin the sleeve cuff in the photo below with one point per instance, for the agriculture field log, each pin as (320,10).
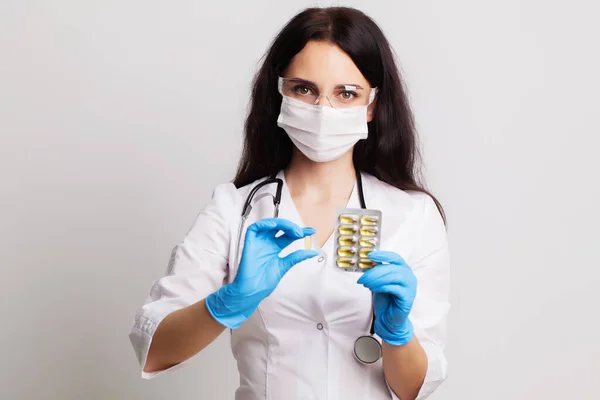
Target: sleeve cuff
(141,334)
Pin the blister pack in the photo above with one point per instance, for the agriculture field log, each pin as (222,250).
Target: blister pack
(357,233)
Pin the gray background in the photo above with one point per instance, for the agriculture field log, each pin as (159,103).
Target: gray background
(117,118)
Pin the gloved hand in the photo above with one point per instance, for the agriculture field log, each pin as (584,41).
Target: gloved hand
(260,270)
(394,288)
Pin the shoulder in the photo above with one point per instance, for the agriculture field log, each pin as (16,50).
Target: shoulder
(411,211)
(230,199)
(225,194)
(228,190)
(244,191)
(394,200)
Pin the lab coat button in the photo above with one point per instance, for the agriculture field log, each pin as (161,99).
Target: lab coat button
(320,326)
(320,259)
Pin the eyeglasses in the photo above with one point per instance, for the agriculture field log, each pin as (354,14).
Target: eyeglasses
(342,96)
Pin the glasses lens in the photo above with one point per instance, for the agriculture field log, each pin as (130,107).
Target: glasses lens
(349,96)
(305,92)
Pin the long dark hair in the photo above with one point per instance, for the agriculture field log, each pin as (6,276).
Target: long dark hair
(390,152)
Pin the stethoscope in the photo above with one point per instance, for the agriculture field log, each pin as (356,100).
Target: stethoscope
(367,349)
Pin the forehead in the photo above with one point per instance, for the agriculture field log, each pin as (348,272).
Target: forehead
(326,65)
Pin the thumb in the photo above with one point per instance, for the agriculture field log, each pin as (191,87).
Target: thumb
(294,258)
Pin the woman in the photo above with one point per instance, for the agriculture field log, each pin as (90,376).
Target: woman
(326,103)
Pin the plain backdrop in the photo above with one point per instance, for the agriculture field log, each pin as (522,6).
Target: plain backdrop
(117,119)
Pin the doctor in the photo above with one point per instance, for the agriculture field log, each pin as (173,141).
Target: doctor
(330,118)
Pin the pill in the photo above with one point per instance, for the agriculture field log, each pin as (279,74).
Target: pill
(308,242)
(370,242)
(348,218)
(369,220)
(346,262)
(346,251)
(368,230)
(347,240)
(347,229)
(364,252)
(366,263)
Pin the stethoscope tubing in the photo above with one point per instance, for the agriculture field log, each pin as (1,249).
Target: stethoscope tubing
(365,339)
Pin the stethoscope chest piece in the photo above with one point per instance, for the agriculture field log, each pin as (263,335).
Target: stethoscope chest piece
(367,349)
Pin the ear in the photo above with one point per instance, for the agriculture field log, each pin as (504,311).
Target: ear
(371,110)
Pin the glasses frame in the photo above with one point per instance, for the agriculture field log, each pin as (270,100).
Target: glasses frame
(281,80)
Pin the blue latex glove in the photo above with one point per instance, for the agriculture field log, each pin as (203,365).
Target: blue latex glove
(394,288)
(260,270)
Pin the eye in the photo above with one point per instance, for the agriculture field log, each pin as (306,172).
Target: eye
(347,95)
(303,90)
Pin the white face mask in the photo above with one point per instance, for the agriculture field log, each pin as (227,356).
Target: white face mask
(322,133)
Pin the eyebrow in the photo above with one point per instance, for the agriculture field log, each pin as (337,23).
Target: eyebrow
(338,86)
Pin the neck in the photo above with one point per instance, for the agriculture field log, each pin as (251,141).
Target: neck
(332,179)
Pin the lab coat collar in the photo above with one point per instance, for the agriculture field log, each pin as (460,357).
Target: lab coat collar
(288,208)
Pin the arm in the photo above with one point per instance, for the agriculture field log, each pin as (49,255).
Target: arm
(425,352)
(405,368)
(411,307)
(181,335)
(190,307)
(185,332)
(173,324)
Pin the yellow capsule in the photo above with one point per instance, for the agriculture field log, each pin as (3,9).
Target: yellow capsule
(364,264)
(364,252)
(369,220)
(307,242)
(347,240)
(348,229)
(346,251)
(346,262)
(371,242)
(369,231)
(348,218)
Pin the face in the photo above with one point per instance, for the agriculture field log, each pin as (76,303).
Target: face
(322,67)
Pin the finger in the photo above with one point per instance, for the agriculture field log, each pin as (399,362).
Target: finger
(276,224)
(374,273)
(308,231)
(284,240)
(394,290)
(380,256)
(294,258)
(378,272)
(399,292)
(388,274)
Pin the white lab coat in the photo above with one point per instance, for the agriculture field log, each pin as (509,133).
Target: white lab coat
(299,343)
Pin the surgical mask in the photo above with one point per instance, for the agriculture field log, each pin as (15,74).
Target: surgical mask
(322,133)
